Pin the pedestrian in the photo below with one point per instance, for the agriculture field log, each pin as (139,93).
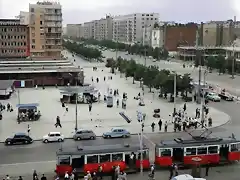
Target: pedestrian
(117,103)
(34,174)
(72,176)
(66,108)
(20,178)
(165,126)
(104,78)
(160,124)
(28,129)
(97,80)
(58,122)
(7,177)
(100,169)
(184,107)
(207,168)
(66,176)
(153,126)
(43,177)
(171,172)
(92,79)
(90,107)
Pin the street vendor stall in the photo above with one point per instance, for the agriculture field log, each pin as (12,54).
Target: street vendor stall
(28,112)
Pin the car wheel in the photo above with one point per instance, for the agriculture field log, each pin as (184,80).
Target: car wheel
(78,138)
(8,143)
(45,141)
(26,142)
(124,136)
(60,140)
(109,137)
(92,137)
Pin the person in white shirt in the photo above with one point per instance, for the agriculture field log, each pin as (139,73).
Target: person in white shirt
(66,176)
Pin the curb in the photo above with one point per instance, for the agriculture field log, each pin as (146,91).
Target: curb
(135,134)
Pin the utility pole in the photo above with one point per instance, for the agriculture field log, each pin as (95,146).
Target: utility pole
(140,120)
(233,45)
(203,98)
(19,100)
(200,68)
(116,50)
(76,108)
(145,50)
(175,93)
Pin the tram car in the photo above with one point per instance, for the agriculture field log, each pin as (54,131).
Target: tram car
(207,150)
(89,158)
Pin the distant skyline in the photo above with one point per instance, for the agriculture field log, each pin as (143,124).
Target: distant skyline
(75,12)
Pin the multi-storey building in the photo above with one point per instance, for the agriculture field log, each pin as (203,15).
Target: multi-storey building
(24,18)
(45,29)
(14,39)
(75,30)
(134,28)
(218,33)
(99,29)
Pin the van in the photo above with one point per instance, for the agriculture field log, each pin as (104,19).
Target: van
(82,134)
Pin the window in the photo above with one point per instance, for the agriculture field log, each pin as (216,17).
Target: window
(104,158)
(51,135)
(92,159)
(165,152)
(212,149)
(41,23)
(202,150)
(79,132)
(191,151)
(235,147)
(145,154)
(33,47)
(32,9)
(33,40)
(58,135)
(64,160)
(117,157)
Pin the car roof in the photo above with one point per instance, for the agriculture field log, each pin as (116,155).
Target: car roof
(20,134)
(54,133)
(84,130)
(117,128)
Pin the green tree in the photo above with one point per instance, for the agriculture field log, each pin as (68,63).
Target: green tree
(220,64)
(211,62)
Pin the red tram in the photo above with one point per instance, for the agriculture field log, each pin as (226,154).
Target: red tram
(208,150)
(89,158)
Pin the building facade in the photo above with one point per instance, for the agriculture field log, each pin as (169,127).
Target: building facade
(101,29)
(134,28)
(75,30)
(45,22)
(14,39)
(24,18)
(179,35)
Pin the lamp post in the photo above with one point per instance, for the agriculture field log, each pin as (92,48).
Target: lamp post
(174,93)
(203,98)
(233,60)
(140,120)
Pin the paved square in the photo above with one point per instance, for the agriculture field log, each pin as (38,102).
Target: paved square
(103,118)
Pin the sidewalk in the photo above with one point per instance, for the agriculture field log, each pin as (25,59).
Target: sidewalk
(103,118)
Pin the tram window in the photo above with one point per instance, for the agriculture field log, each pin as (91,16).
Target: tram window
(104,158)
(166,152)
(212,149)
(191,151)
(235,147)
(202,150)
(64,160)
(117,157)
(145,154)
(92,159)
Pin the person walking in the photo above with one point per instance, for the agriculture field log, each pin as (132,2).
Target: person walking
(58,122)
(160,124)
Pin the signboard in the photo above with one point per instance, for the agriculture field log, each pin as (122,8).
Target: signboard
(156,38)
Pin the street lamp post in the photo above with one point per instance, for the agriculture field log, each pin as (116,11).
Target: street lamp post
(76,108)
(175,93)
(203,98)
(140,120)
(233,60)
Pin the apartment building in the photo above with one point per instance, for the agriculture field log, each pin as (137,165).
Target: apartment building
(45,22)
(218,33)
(24,18)
(101,29)
(134,28)
(14,39)
(75,30)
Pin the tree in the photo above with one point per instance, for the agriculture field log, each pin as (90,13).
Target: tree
(211,62)
(220,64)
(230,64)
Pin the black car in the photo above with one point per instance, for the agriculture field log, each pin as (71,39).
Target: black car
(19,138)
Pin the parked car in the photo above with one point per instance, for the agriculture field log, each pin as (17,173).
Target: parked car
(117,132)
(82,134)
(213,97)
(53,137)
(19,138)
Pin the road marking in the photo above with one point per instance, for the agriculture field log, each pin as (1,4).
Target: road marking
(25,163)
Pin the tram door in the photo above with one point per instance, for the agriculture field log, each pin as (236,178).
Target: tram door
(78,162)
(224,150)
(178,154)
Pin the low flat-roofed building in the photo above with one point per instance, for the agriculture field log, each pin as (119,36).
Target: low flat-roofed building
(51,72)
(188,53)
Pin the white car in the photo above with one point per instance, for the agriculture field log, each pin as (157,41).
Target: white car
(53,137)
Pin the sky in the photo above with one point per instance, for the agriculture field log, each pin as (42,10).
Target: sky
(79,11)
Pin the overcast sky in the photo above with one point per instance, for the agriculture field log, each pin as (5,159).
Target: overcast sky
(78,11)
